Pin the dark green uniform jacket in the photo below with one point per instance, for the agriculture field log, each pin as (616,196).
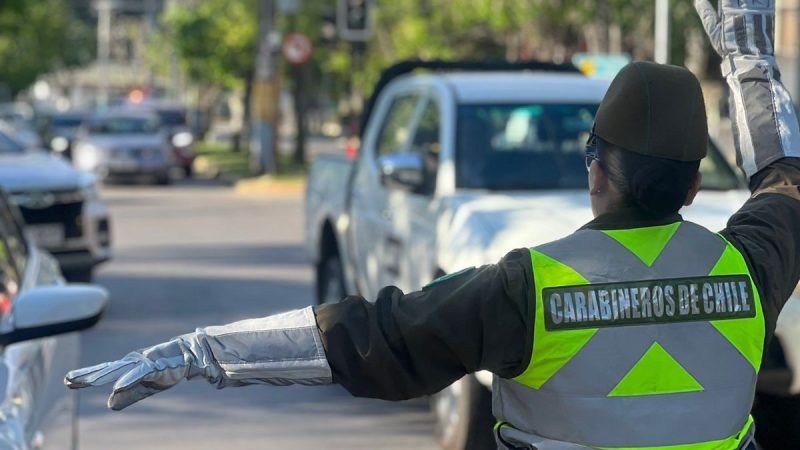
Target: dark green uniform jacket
(408,345)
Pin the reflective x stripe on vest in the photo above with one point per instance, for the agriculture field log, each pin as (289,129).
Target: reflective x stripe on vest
(685,382)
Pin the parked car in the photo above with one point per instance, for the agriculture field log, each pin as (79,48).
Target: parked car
(457,168)
(124,144)
(174,122)
(58,130)
(61,206)
(39,314)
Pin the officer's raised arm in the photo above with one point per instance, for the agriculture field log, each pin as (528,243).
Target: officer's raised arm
(764,119)
(767,139)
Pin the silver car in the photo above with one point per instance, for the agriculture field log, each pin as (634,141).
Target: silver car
(124,143)
(61,206)
(38,316)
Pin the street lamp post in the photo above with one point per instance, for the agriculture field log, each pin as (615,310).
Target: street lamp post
(104,9)
(662,32)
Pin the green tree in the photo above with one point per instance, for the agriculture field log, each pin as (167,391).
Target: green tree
(36,37)
(215,42)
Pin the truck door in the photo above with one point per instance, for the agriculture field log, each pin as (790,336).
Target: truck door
(414,231)
(376,258)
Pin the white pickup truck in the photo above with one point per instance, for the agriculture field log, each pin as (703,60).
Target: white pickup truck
(457,168)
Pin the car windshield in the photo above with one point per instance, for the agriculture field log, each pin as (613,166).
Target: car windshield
(124,125)
(172,117)
(9,145)
(540,146)
(67,121)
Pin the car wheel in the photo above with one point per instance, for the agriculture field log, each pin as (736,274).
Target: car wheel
(79,275)
(463,415)
(163,179)
(330,281)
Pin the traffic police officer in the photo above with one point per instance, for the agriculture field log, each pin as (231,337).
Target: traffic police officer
(640,330)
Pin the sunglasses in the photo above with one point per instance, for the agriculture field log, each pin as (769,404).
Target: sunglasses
(592,152)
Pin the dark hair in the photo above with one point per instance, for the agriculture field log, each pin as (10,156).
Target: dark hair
(656,186)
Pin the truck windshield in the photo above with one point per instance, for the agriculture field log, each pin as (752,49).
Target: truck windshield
(540,146)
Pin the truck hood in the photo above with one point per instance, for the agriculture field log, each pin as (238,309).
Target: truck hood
(37,171)
(484,227)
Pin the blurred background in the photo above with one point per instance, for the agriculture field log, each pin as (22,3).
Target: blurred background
(163,149)
(224,62)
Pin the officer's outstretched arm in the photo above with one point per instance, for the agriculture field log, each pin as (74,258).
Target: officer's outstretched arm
(764,120)
(279,350)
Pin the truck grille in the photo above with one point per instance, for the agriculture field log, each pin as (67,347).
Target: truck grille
(62,207)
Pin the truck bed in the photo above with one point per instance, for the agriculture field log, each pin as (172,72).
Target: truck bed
(326,197)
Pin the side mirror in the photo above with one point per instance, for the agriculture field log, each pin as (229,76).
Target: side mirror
(402,170)
(49,311)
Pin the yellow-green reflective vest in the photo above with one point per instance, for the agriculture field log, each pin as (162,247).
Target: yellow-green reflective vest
(646,338)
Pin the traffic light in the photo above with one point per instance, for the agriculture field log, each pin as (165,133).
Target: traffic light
(353,19)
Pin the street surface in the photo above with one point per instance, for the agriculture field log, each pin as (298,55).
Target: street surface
(195,254)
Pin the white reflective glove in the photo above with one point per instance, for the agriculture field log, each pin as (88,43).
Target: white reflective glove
(279,350)
(764,121)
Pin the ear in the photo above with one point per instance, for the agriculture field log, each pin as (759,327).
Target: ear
(694,187)
(598,180)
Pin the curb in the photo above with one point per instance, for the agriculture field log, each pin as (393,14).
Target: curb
(268,186)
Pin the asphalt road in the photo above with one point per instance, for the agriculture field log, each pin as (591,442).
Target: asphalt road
(195,254)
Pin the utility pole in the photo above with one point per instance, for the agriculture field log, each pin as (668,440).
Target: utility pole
(149,30)
(662,32)
(104,10)
(264,101)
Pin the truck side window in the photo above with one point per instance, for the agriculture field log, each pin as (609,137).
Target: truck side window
(396,127)
(426,142)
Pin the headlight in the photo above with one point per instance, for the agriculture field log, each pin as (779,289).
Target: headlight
(87,157)
(59,143)
(182,139)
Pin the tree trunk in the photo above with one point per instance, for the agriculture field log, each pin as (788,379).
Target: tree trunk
(244,131)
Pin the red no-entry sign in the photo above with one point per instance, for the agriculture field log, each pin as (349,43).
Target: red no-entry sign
(297,49)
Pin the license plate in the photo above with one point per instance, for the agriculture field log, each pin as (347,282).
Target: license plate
(47,236)
(124,164)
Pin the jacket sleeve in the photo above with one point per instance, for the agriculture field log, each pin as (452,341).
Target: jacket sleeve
(408,345)
(767,138)
(765,230)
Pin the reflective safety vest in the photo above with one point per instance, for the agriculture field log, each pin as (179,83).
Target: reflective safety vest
(645,338)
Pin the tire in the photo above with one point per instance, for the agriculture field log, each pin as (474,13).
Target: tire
(79,275)
(187,171)
(463,416)
(163,179)
(330,280)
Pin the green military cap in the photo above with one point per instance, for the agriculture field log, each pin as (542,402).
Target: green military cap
(655,110)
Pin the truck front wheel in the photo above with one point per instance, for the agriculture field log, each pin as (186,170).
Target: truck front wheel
(330,280)
(463,415)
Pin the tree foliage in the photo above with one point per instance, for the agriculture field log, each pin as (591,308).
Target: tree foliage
(499,29)
(215,40)
(37,36)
